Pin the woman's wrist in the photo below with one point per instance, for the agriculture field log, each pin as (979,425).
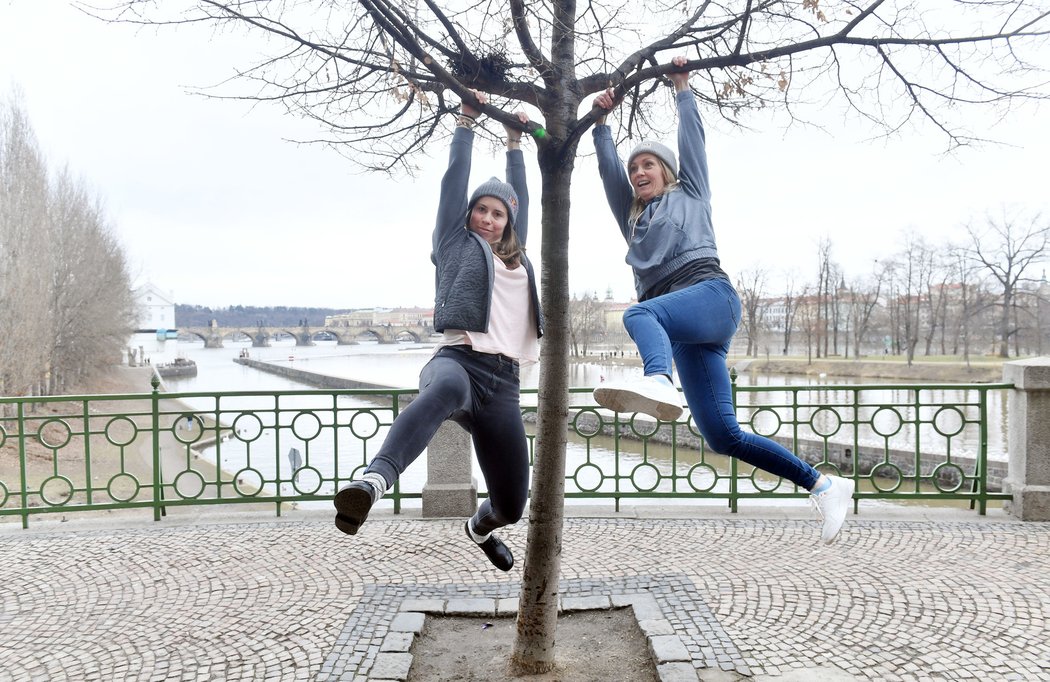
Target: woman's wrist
(466,121)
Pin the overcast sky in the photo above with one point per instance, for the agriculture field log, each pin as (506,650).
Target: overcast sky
(215,204)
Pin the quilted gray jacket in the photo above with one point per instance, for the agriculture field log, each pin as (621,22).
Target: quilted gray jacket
(464,276)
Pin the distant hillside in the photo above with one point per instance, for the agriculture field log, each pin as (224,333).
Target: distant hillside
(250,316)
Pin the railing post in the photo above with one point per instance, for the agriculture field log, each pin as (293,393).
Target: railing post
(450,489)
(1028,477)
(23,464)
(158,476)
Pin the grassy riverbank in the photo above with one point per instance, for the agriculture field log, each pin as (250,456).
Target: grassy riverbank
(948,370)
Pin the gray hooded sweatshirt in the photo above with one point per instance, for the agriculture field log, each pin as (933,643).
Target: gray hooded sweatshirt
(675,228)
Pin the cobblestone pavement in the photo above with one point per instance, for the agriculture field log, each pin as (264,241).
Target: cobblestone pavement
(231,596)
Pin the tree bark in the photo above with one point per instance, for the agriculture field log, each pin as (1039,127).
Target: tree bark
(538,606)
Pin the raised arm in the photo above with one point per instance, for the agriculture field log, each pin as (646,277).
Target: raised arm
(692,141)
(516,177)
(452,205)
(618,190)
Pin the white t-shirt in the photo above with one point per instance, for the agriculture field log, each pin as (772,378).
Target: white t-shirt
(512,323)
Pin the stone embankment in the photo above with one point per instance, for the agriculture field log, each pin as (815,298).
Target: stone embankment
(947,372)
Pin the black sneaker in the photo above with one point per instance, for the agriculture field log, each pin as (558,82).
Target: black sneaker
(351,506)
(497,552)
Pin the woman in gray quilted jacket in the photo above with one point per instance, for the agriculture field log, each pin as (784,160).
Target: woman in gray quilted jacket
(487,309)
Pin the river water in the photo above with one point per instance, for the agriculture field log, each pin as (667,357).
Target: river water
(398,365)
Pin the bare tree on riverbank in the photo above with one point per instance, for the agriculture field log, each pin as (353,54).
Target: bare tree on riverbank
(1006,247)
(751,285)
(23,282)
(863,299)
(66,307)
(586,319)
(379,74)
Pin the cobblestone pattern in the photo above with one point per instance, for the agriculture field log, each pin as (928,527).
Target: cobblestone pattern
(291,600)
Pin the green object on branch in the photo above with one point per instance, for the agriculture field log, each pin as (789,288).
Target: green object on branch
(539,133)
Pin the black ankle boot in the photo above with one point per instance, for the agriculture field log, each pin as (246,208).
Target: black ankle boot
(351,506)
(497,552)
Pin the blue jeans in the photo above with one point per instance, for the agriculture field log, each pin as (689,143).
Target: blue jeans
(694,326)
(480,392)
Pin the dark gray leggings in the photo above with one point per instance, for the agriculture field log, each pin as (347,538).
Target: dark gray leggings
(481,393)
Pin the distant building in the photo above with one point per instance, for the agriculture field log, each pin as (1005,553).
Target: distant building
(156,308)
(155,325)
(383,317)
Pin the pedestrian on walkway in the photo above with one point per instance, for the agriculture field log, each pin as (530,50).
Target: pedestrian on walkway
(488,310)
(687,307)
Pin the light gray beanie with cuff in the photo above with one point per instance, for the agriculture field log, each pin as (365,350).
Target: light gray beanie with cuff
(660,151)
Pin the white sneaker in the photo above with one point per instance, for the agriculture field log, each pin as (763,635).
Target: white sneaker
(833,505)
(652,395)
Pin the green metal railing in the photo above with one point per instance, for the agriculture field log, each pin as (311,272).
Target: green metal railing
(153,451)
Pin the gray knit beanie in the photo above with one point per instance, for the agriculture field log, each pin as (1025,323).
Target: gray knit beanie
(660,151)
(494,187)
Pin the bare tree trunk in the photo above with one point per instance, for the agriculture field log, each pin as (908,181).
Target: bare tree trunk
(538,606)
(1004,323)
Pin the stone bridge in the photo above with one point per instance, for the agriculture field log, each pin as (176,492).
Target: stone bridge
(261,336)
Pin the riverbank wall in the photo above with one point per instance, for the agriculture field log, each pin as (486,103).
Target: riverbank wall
(310,378)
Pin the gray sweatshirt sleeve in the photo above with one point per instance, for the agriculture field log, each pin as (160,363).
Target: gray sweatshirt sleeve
(618,191)
(452,206)
(516,178)
(692,147)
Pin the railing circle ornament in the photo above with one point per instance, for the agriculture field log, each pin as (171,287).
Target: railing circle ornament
(358,429)
(306,426)
(697,475)
(764,486)
(643,428)
(4,492)
(949,421)
(54,433)
(56,490)
(248,482)
(828,468)
(943,468)
(587,423)
(307,480)
(113,488)
(247,427)
(588,477)
(639,475)
(765,422)
(886,421)
(188,428)
(825,422)
(887,471)
(121,431)
(189,484)
(3,437)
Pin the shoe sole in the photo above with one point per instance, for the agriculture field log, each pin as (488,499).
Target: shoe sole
(619,400)
(351,506)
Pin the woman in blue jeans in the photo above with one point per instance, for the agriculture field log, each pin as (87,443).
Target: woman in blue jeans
(688,310)
(488,311)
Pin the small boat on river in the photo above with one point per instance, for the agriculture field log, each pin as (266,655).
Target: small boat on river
(179,367)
